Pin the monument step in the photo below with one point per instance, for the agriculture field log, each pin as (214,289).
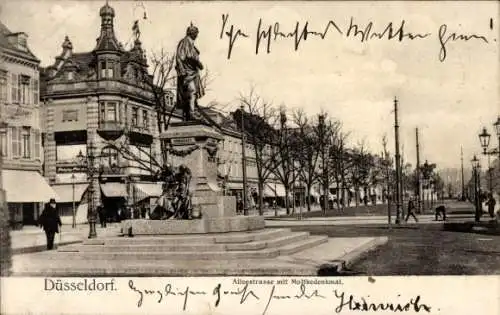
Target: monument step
(152,240)
(230,237)
(243,237)
(139,248)
(295,247)
(159,256)
(281,240)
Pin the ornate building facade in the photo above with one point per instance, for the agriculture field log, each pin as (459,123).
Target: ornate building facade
(20,130)
(98,104)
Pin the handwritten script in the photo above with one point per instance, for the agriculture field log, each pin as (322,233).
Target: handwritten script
(266,35)
(264,296)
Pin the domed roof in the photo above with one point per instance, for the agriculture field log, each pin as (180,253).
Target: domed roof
(107,10)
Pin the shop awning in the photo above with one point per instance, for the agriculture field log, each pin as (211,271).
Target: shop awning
(65,192)
(235,186)
(274,190)
(114,189)
(145,190)
(26,186)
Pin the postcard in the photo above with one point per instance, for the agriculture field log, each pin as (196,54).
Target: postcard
(250,157)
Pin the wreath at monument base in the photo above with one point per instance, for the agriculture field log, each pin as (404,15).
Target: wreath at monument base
(183,152)
(212,151)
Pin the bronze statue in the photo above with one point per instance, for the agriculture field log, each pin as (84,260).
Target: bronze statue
(175,201)
(188,66)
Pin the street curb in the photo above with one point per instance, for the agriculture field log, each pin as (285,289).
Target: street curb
(362,251)
(40,248)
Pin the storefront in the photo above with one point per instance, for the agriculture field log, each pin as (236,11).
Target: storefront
(113,196)
(26,191)
(70,200)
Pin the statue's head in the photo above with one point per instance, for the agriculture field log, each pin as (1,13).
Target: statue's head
(192,31)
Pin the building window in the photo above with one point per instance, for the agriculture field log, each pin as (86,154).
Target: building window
(135,116)
(36,91)
(70,115)
(107,69)
(69,76)
(3,142)
(16,142)
(110,70)
(26,144)
(108,111)
(111,112)
(3,85)
(22,41)
(109,157)
(14,88)
(24,89)
(102,111)
(145,119)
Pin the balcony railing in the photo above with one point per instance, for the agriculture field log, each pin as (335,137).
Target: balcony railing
(114,85)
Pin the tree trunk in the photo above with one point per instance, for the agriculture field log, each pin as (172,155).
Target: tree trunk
(261,198)
(356,195)
(339,201)
(308,201)
(287,205)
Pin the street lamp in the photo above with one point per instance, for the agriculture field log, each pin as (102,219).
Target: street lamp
(484,139)
(88,161)
(73,178)
(244,161)
(475,168)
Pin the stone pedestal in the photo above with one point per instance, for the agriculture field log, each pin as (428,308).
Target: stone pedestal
(195,146)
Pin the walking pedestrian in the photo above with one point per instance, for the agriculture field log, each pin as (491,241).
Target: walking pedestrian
(491,205)
(50,221)
(411,211)
(102,215)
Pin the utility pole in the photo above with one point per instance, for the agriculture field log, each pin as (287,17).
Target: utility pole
(244,162)
(388,179)
(398,163)
(462,167)
(419,197)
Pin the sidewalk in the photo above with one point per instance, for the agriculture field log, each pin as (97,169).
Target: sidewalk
(32,239)
(357,220)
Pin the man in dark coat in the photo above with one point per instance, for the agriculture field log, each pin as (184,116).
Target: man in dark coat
(102,215)
(411,210)
(50,221)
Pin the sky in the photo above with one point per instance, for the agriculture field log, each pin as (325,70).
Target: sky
(352,79)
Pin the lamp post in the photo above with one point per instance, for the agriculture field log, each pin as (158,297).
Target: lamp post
(484,139)
(73,178)
(244,161)
(475,167)
(88,160)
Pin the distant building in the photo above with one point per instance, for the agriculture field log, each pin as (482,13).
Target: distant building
(93,99)
(20,130)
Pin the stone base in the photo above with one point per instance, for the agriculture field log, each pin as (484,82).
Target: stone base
(201,226)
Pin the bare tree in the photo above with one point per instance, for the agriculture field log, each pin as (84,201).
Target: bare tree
(362,164)
(327,131)
(259,119)
(340,162)
(306,150)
